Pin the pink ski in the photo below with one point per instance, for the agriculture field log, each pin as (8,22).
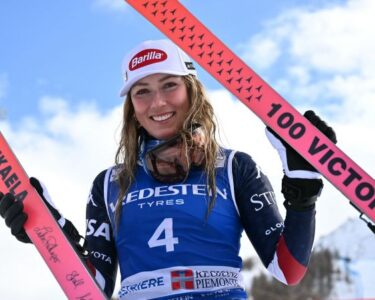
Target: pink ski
(176,22)
(45,233)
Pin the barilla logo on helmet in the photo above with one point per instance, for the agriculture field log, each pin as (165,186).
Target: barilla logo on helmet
(147,57)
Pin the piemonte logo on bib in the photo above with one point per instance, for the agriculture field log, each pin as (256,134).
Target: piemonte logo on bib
(183,279)
(146,57)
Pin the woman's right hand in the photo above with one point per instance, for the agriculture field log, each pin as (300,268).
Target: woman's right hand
(15,218)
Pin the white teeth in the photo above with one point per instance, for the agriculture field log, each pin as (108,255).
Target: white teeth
(162,117)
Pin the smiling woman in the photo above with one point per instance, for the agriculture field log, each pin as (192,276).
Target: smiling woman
(175,196)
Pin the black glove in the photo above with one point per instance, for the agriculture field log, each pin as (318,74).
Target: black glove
(301,184)
(15,217)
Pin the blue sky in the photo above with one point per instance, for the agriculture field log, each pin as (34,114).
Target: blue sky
(60,76)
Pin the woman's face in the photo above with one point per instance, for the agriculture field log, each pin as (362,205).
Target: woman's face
(161,104)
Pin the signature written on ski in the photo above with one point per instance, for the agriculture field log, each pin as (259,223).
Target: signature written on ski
(49,241)
(336,165)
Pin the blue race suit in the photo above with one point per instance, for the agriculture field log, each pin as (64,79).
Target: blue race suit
(167,247)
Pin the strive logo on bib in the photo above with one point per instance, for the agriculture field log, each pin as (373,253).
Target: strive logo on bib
(147,57)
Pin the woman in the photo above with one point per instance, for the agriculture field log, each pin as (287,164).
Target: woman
(172,210)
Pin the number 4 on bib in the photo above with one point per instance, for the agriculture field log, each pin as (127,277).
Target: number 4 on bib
(163,236)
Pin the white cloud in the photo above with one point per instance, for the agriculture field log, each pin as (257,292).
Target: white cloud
(335,39)
(322,57)
(263,52)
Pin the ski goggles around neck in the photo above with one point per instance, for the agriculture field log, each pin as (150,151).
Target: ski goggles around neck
(170,161)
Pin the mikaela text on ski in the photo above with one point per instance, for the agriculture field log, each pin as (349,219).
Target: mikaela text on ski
(10,178)
(334,164)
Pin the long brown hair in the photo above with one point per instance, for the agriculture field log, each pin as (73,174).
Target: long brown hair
(200,112)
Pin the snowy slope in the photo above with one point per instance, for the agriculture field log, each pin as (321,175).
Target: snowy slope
(355,245)
(352,239)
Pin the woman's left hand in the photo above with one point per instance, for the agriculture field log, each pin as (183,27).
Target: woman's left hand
(294,165)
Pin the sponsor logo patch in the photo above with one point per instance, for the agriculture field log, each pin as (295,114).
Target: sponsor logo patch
(182,280)
(147,57)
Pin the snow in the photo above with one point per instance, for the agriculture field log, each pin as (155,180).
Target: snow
(353,239)
(355,245)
